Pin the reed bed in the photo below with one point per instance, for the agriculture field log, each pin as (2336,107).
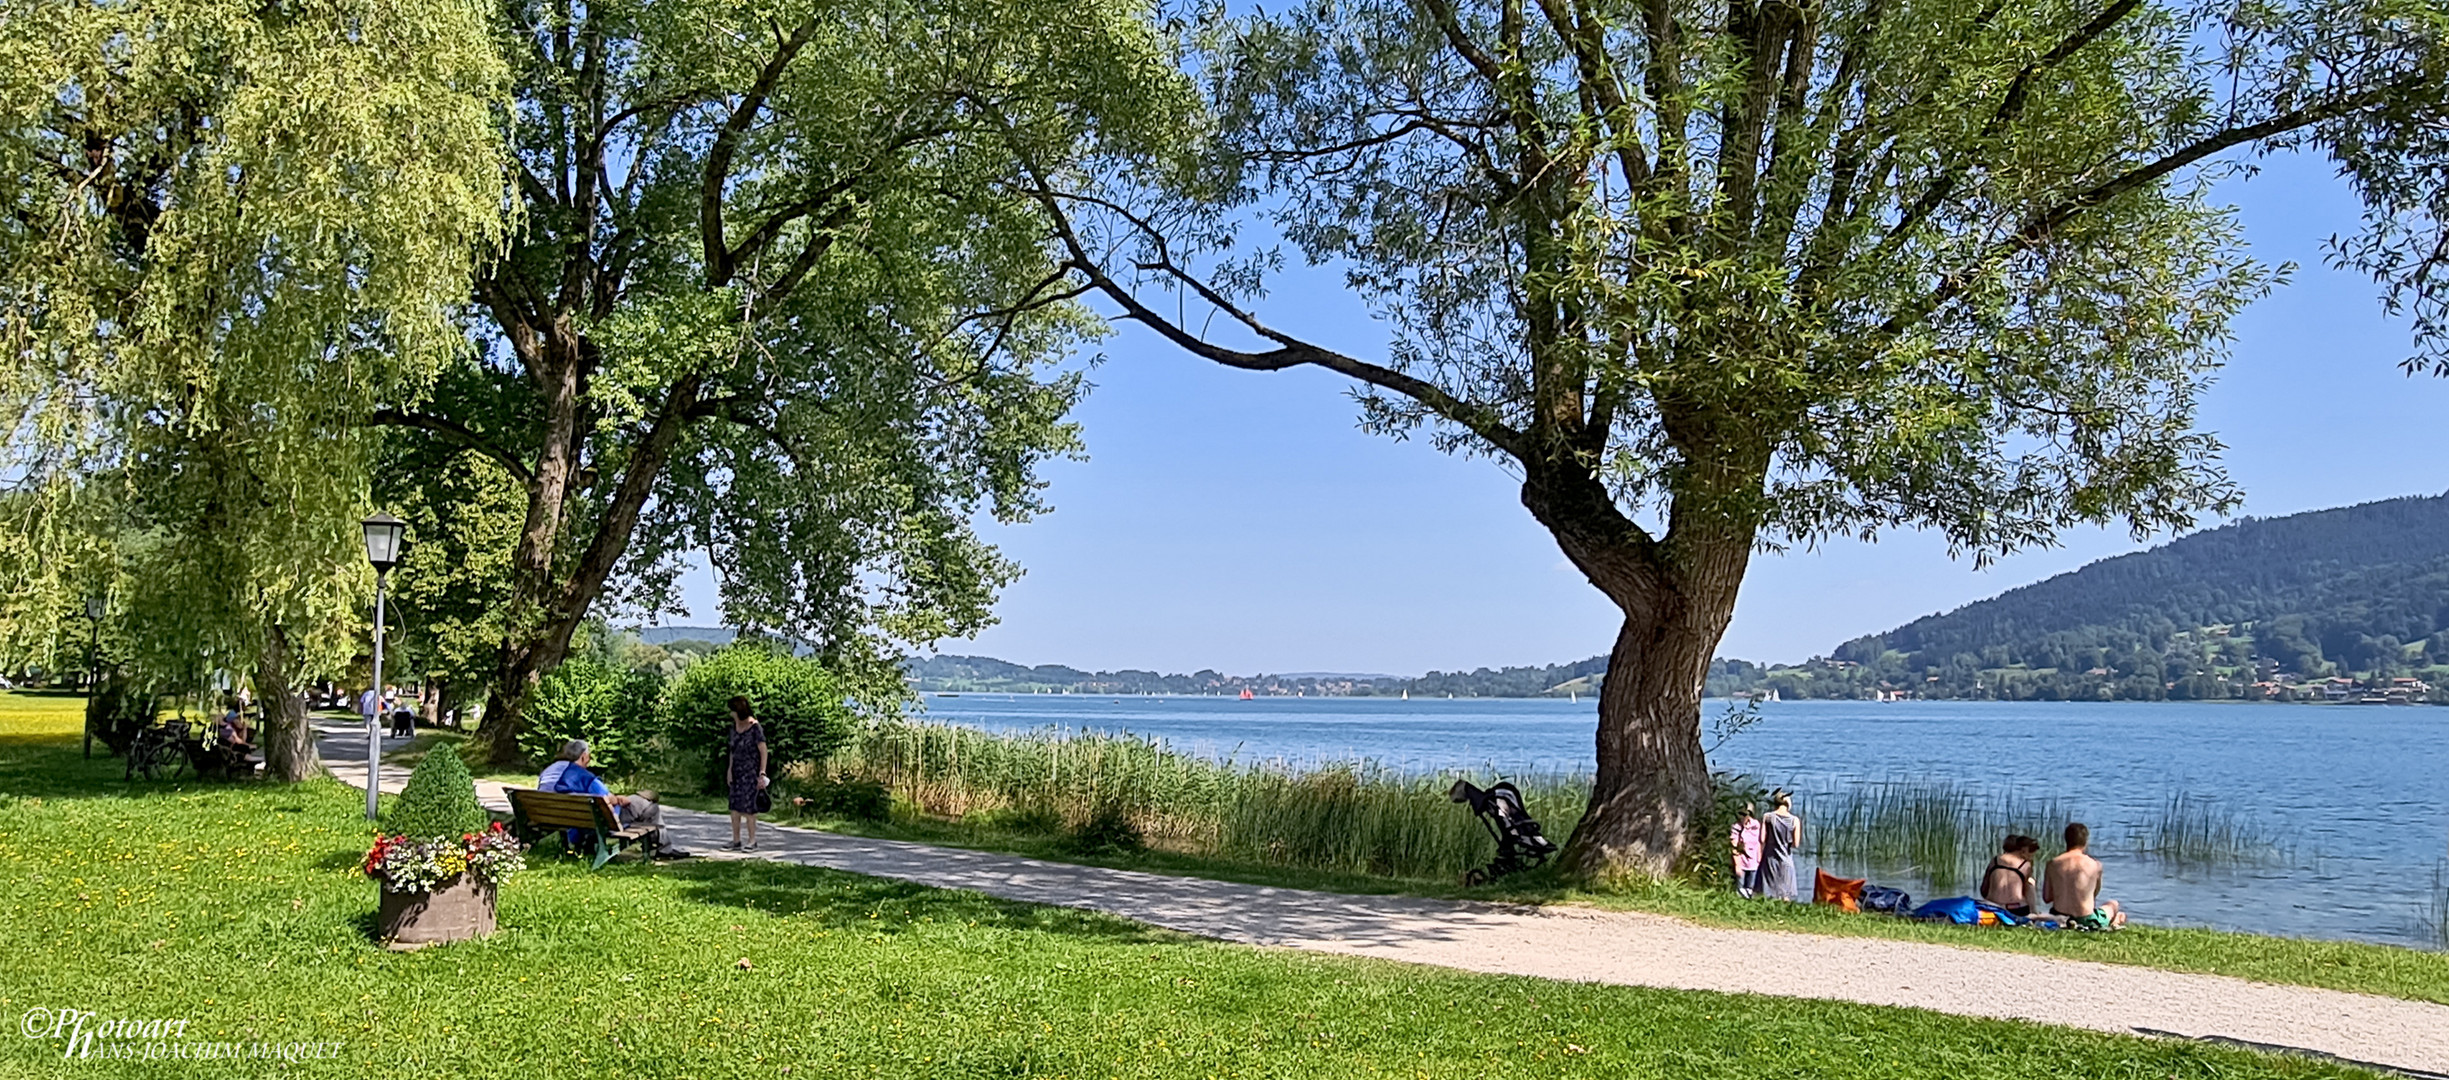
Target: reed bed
(1354,816)
(1944,832)
(2196,832)
(1937,830)
(1362,817)
(2438,915)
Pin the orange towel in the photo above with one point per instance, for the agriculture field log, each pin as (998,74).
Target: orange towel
(1844,893)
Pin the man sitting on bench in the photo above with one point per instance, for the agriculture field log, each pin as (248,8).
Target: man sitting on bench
(569,775)
(237,745)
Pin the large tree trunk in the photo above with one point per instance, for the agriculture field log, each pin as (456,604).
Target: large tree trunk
(525,662)
(1651,794)
(288,743)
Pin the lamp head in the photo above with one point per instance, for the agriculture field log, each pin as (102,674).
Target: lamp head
(385,536)
(95,605)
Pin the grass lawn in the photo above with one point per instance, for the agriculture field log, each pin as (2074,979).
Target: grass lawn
(2393,971)
(237,908)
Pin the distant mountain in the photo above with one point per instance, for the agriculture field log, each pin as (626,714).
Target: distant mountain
(665,635)
(2259,608)
(2357,592)
(949,673)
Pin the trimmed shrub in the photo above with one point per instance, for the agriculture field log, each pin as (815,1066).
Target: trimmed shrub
(612,708)
(799,702)
(439,801)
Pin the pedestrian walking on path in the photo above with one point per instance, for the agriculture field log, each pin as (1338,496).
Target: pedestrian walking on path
(746,768)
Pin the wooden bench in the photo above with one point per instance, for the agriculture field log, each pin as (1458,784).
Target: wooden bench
(534,813)
(217,759)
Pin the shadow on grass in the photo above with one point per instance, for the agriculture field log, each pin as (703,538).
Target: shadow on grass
(1539,886)
(835,899)
(44,768)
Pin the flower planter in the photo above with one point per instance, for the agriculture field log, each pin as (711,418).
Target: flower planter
(462,908)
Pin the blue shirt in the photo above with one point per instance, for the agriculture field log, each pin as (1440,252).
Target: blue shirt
(569,777)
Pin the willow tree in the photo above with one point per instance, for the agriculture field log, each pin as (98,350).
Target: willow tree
(226,230)
(775,301)
(1714,277)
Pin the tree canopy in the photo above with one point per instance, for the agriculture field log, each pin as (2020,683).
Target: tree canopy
(1716,276)
(776,301)
(229,229)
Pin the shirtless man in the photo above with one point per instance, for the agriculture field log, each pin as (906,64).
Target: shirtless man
(2072,885)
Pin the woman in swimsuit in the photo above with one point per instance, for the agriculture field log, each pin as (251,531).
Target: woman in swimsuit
(2009,880)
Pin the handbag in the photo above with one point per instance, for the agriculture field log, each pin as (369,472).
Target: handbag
(765,800)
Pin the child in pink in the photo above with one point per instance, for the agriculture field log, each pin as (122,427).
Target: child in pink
(1745,839)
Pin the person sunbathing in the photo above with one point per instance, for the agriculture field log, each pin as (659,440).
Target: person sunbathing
(2072,885)
(2010,880)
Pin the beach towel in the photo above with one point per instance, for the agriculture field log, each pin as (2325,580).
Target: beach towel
(1844,894)
(1966,911)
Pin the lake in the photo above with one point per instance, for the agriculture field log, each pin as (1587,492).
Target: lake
(2353,788)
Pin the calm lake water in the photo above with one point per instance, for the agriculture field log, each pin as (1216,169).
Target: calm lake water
(2354,789)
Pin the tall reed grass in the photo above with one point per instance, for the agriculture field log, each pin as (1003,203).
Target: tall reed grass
(1353,817)
(1944,832)
(1361,817)
(1938,831)
(2438,915)
(2196,832)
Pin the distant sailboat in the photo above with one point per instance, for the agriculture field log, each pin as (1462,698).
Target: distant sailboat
(1246,695)
(1407,694)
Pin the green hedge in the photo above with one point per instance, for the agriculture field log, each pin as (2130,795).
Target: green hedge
(613,709)
(802,706)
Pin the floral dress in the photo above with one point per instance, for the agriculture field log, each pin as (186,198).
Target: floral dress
(746,766)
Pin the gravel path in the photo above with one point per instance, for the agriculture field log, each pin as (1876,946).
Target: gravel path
(1588,945)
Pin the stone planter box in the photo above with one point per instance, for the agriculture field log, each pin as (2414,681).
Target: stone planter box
(461,909)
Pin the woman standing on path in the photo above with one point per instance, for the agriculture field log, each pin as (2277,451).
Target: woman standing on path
(1780,833)
(746,768)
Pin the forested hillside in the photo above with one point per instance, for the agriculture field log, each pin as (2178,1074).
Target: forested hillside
(2261,608)
(951,673)
(2359,592)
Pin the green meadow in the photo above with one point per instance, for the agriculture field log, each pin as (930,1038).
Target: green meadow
(238,909)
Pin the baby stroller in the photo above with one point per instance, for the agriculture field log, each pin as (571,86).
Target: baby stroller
(1520,843)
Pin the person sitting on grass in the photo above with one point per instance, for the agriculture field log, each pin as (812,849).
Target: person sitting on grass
(2072,885)
(569,775)
(2009,880)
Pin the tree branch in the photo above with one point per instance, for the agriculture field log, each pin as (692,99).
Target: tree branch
(1289,352)
(2009,107)
(458,433)
(2039,226)
(719,259)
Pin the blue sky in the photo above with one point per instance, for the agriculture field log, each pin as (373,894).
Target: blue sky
(1240,521)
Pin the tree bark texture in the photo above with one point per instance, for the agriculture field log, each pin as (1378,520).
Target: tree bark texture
(1651,793)
(288,743)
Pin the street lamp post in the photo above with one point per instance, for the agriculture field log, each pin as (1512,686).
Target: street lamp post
(383,536)
(95,606)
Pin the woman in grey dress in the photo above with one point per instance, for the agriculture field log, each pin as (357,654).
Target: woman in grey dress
(1781,832)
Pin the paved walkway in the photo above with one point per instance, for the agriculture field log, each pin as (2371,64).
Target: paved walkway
(1589,945)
